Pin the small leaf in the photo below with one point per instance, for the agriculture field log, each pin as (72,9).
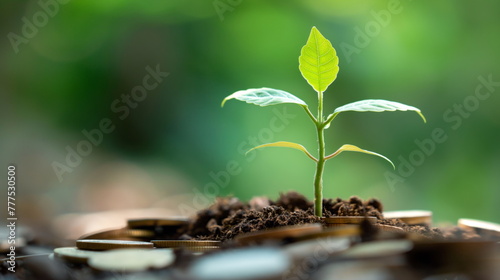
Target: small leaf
(286,145)
(264,97)
(374,105)
(352,148)
(318,61)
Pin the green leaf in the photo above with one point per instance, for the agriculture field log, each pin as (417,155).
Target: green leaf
(373,105)
(286,145)
(318,61)
(264,97)
(352,148)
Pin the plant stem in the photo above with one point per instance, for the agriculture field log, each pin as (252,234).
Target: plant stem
(318,177)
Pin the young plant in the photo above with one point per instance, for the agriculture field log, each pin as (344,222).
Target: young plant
(318,63)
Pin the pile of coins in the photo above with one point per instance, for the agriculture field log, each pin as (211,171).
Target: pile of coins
(151,249)
(143,230)
(111,249)
(191,245)
(115,255)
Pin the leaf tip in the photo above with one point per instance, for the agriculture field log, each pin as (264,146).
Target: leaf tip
(386,158)
(422,116)
(226,99)
(246,153)
(393,166)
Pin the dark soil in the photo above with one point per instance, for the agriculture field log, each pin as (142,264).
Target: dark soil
(352,207)
(207,219)
(423,230)
(451,233)
(254,220)
(228,217)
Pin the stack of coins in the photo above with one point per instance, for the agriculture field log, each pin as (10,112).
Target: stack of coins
(96,249)
(115,255)
(162,228)
(89,247)
(190,245)
(143,230)
(308,251)
(122,234)
(103,244)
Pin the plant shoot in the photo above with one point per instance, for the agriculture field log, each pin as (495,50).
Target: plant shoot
(318,64)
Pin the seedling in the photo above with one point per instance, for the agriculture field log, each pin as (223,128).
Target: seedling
(318,64)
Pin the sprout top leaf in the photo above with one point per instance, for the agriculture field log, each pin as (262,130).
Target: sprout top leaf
(318,61)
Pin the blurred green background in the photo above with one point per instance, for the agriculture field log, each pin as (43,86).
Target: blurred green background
(84,55)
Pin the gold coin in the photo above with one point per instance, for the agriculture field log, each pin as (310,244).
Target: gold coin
(141,223)
(184,243)
(411,217)
(278,233)
(342,220)
(73,254)
(339,231)
(485,229)
(130,260)
(105,244)
(203,249)
(121,234)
